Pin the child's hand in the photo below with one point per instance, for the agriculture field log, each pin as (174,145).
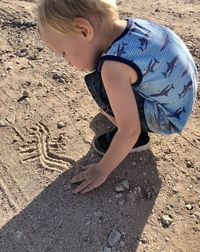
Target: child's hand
(92,177)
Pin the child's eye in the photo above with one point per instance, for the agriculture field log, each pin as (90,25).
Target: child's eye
(63,54)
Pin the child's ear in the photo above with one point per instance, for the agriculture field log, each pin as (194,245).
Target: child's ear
(84,27)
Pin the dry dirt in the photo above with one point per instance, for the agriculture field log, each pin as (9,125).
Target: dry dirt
(38,211)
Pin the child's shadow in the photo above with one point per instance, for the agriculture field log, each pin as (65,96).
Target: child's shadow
(58,221)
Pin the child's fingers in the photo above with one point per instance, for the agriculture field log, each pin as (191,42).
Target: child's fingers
(88,188)
(81,186)
(79,177)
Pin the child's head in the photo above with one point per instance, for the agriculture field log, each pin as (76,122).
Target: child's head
(76,28)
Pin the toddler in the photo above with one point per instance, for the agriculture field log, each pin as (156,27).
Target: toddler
(142,75)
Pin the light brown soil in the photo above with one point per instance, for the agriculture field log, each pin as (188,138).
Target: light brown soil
(38,211)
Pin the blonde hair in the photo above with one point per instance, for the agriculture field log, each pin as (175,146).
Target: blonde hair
(59,14)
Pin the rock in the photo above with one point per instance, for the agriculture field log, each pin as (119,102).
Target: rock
(114,237)
(189,164)
(40,48)
(61,80)
(8,68)
(25,94)
(106,249)
(60,125)
(166,221)
(189,207)
(167,239)
(122,185)
(175,190)
(3,123)
(22,53)
(143,240)
(56,76)
(28,83)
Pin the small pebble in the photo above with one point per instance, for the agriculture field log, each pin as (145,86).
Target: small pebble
(22,53)
(167,239)
(39,48)
(188,163)
(166,221)
(143,240)
(56,76)
(114,237)
(9,68)
(175,190)
(122,185)
(61,80)
(189,207)
(60,125)
(25,94)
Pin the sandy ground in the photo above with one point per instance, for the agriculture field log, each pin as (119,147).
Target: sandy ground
(38,211)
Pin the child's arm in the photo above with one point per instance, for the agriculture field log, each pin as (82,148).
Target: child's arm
(117,78)
(110,118)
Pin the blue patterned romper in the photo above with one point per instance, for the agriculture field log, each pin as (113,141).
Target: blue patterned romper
(167,75)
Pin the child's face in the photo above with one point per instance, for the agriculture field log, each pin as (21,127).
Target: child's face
(73,46)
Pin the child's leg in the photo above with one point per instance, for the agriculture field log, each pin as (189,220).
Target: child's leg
(102,142)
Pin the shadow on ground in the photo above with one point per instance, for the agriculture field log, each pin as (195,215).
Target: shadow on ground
(58,221)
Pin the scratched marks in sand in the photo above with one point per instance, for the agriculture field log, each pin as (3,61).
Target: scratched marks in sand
(11,194)
(41,147)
